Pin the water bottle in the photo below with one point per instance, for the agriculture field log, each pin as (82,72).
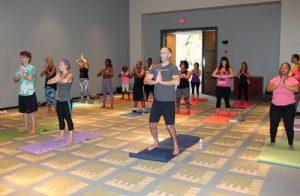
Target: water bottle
(200,142)
(239,119)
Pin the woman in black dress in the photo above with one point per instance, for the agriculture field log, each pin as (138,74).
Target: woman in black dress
(243,76)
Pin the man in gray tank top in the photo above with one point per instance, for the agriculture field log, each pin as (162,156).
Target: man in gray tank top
(165,78)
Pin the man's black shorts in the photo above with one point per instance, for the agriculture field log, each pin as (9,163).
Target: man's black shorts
(165,109)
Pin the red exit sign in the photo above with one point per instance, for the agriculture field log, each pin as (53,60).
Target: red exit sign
(181,21)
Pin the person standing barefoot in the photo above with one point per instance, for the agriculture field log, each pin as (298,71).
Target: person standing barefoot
(183,90)
(107,86)
(223,74)
(84,67)
(27,98)
(282,105)
(50,72)
(195,82)
(124,75)
(64,100)
(166,78)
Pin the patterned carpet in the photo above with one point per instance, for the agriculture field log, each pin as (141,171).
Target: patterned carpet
(225,164)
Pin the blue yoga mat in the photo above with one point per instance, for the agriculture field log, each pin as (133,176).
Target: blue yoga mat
(165,151)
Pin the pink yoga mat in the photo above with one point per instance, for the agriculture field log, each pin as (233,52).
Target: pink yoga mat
(242,104)
(194,101)
(222,118)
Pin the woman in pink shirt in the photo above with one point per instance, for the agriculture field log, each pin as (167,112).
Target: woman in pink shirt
(223,73)
(283,103)
(124,75)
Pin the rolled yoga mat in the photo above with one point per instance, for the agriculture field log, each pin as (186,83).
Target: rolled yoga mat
(139,112)
(279,154)
(164,152)
(50,145)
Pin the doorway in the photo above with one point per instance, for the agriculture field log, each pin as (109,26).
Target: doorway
(194,45)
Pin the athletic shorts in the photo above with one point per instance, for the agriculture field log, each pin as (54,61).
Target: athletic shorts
(28,104)
(165,109)
(125,88)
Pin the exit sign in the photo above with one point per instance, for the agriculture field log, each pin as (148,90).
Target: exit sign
(181,21)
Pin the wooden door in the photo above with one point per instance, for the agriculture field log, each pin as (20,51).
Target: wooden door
(170,42)
(209,62)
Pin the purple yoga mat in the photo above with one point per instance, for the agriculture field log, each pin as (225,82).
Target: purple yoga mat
(50,145)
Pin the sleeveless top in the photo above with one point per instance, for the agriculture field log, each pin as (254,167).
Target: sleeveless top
(195,78)
(48,77)
(138,82)
(243,79)
(63,91)
(83,72)
(224,81)
(184,83)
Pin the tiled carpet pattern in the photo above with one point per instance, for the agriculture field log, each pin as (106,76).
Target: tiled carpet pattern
(224,165)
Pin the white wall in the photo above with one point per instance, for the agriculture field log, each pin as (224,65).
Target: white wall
(139,7)
(290,29)
(253,38)
(62,29)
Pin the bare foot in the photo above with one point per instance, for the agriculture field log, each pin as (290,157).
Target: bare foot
(291,148)
(59,138)
(70,140)
(176,151)
(188,111)
(22,129)
(33,131)
(153,147)
(271,145)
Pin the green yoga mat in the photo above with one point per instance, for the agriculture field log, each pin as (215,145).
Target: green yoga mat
(280,155)
(47,127)
(12,133)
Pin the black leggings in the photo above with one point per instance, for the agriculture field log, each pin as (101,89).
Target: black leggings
(197,85)
(243,87)
(287,113)
(64,110)
(223,92)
